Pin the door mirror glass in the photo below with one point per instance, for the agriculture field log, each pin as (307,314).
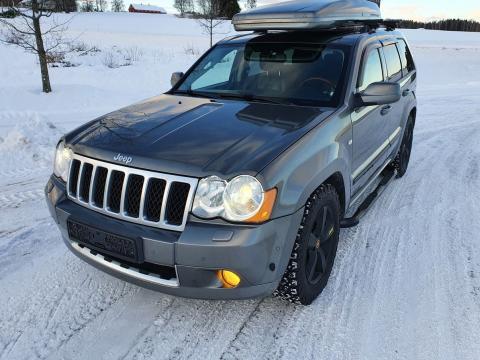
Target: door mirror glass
(176,76)
(380,93)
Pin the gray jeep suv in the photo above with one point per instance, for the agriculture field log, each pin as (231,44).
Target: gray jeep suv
(236,182)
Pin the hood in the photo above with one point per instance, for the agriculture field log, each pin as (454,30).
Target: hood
(195,136)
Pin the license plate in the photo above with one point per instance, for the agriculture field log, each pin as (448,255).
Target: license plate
(102,241)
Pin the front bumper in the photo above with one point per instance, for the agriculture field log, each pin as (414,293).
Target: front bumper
(259,254)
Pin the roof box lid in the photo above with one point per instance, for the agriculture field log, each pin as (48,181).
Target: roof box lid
(307,14)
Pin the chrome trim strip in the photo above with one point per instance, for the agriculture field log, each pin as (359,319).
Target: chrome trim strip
(92,182)
(122,196)
(142,197)
(131,271)
(370,159)
(405,81)
(106,192)
(79,181)
(392,137)
(166,193)
(361,113)
(375,154)
(146,175)
(377,174)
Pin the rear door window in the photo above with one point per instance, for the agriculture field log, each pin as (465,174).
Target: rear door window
(394,65)
(372,70)
(405,57)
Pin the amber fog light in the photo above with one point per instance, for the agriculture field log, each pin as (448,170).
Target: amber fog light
(228,278)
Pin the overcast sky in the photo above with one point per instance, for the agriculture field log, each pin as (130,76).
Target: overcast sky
(406,9)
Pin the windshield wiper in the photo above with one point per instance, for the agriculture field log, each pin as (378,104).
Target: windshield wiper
(242,96)
(251,97)
(194,93)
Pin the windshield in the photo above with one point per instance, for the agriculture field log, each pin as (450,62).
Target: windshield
(303,74)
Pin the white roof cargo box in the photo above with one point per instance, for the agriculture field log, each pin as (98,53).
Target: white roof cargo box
(307,14)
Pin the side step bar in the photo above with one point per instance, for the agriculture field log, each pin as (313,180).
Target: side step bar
(386,176)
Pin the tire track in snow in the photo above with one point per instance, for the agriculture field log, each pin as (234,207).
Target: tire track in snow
(16,199)
(269,311)
(56,305)
(21,171)
(201,330)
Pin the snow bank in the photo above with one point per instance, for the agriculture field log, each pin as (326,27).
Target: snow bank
(30,142)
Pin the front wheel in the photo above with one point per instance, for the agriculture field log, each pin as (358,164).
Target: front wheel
(315,247)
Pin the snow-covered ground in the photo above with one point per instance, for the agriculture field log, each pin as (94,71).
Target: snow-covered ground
(406,283)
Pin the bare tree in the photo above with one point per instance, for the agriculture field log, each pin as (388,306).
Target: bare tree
(100,5)
(209,17)
(26,31)
(183,6)
(117,5)
(87,6)
(250,4)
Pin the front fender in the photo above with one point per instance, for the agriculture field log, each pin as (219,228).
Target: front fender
(301,169)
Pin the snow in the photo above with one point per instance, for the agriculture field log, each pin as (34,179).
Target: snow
(406,282)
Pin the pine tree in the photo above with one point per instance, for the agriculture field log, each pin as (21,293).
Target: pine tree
(118,5)
(229,8)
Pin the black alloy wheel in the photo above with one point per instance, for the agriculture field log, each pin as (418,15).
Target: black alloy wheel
(314,250)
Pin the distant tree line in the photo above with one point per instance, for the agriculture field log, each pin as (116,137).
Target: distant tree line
(215,8)
(46,5)
(448,25)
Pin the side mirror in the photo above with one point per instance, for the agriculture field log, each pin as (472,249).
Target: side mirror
(176,76)
(379,93)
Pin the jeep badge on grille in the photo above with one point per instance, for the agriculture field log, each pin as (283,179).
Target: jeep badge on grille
(123,158)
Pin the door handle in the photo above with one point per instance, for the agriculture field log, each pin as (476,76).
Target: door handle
(406,92)
(385,110)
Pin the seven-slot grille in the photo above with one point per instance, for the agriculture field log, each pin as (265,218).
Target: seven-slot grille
(139,196)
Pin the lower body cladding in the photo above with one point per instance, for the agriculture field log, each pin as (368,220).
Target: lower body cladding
(178,263)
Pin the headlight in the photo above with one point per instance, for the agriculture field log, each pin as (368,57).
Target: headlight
(208,201)
(241,199)
(63,157)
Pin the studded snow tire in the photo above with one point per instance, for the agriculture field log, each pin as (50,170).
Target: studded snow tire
(297,286)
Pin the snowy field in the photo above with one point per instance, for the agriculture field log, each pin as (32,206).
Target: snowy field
(406,282)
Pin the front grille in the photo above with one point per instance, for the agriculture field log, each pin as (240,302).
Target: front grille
(177,199)
(153,204)
(134,194)
(86,180)
(139,196)
(115,191)
(74,170)
(99,189)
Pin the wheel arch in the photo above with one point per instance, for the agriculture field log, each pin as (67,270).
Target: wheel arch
(413,113)
(336,180)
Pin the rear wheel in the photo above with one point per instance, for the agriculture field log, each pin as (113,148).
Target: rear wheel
(314,250)
(403,157)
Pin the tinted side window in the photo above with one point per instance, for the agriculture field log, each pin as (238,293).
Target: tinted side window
(394,66)
(405,56)
(372,70)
